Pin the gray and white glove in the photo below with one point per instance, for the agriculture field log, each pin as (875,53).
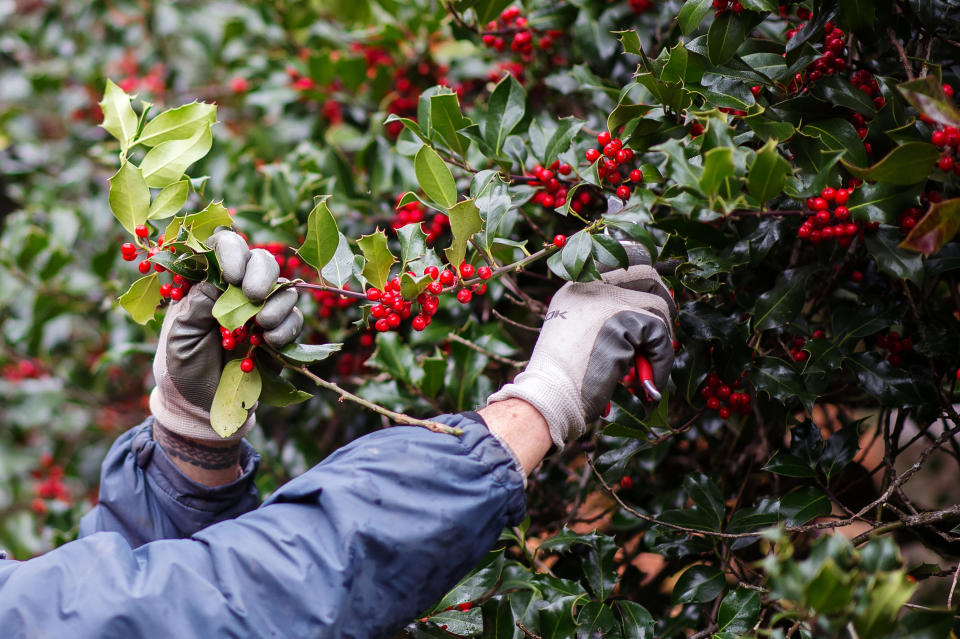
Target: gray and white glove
(190,356)
(588,342)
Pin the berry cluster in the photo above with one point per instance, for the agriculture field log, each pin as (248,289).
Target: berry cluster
(516,69)
(825,225)
(909,218)
(831,60)
(48,484)
(511,21)
(248,332)
(797,344)
(23,369)
(802,12)
(614,155)
(895,345)
(414,212)
(551,192)
(129,251)
(866,82)
(723,398)
(391,308)
(860,122)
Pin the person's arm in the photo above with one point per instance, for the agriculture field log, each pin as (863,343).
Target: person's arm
(354,547)
(145,494)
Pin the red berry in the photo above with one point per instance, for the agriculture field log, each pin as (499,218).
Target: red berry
(466,270)
(256,340)
(723,392)
(713,403)
(564,169)
(713,379)
(176,294)
(382,325)
(128,251)
(842,196)
(938,138)
(626,483)
(828,193)
(432,271)
(419,323)
(946,163)
(393,320)
(841,213)
(464,295)
(603,138)
(228,342)
(559,240)
(246,365)
(623,192)
(592,155)
(373,294)
(165,290)
(484,272)
(724,412)
(817,204)
(141,231)
(636,175)
(144,267)
(435,287)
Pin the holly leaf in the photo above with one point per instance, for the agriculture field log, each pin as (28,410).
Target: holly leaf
(465,222)
(276,391)
(180,123)
(322,238)
(447,120)
(768,173)
(236,396)
(935,229)
(378,256)
(309,353)
(739,611)
(699,584)
(506,108)
(884,246)
(166,162)
(169,201)
(435,177)
(119,119)
(202,225)
(141,298)
(129,197)
(232,309)
(906,164)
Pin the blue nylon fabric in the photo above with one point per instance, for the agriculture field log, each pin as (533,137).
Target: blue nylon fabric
(354,547)
(145,497)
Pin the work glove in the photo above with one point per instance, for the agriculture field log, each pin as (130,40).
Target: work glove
(589,339)
(190,355)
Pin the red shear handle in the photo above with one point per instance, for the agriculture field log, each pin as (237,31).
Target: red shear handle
(645,375)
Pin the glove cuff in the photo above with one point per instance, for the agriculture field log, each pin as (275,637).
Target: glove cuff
(178,415)
(554,396)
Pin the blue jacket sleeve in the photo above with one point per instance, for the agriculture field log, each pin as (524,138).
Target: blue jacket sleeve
(354,547)
(145,497)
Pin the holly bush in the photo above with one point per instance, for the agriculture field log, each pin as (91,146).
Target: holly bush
(427,174)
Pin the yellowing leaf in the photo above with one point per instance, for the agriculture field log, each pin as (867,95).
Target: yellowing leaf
(236,396)
(141,298)
(935,229)
(203,224)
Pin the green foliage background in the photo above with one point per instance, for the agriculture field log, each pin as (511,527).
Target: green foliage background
(304,92)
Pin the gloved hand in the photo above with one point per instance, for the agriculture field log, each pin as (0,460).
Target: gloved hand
(190,356)
(588,341)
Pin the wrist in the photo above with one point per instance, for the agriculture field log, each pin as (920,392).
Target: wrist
(520,427)
(206,462)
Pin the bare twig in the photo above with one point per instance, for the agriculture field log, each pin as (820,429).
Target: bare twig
(497,358)
(398,418)
(509,321)
(529,634)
